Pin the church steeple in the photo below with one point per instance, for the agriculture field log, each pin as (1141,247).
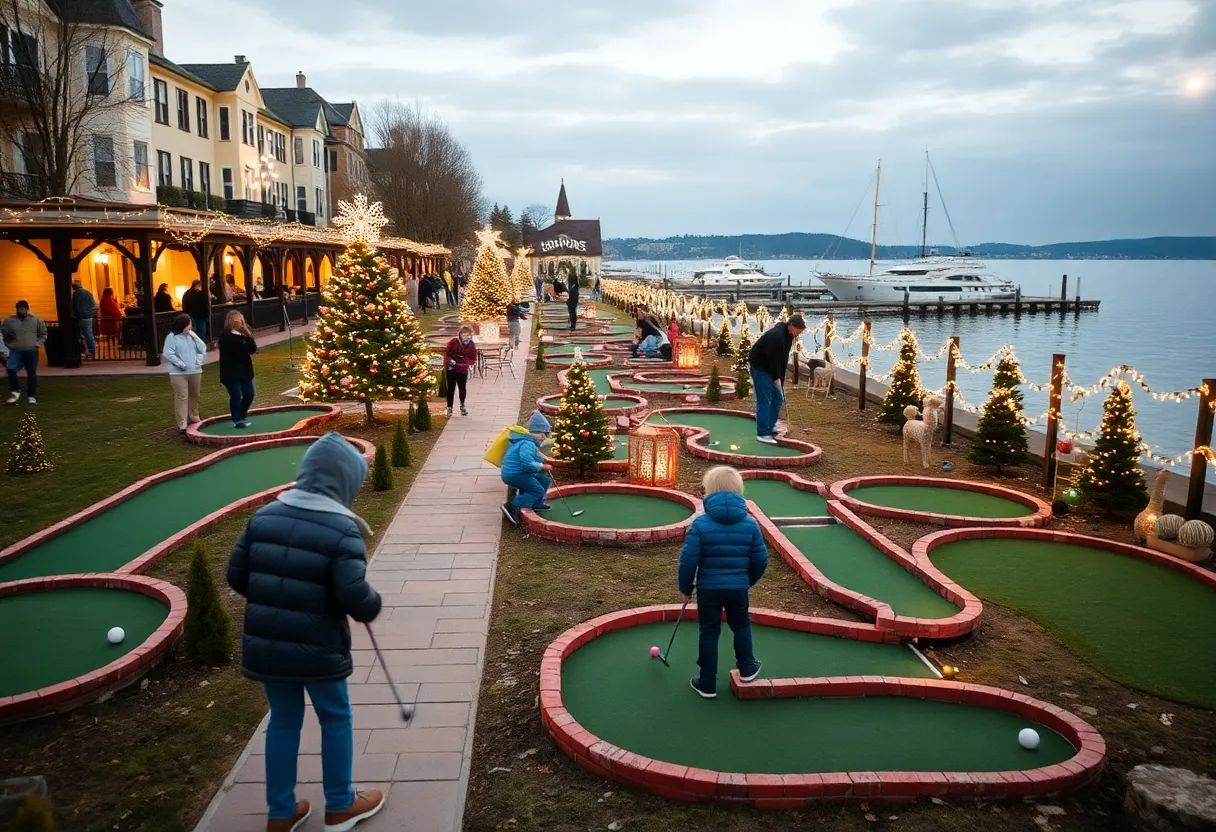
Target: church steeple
(563,205)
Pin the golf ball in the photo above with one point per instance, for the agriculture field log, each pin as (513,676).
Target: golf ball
(116,635)
(1028,738)
(654,652)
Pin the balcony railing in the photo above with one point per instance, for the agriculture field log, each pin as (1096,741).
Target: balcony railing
(22,186)
(252,210)
(302,217)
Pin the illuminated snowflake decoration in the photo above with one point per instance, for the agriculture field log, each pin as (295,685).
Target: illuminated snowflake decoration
(360,222)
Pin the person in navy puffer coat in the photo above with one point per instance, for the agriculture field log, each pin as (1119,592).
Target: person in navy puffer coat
(723,556)
(301,564)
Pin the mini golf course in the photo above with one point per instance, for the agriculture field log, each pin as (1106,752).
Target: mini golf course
(777,498)
(947,502)
(735,435)
(613,513)
(287,420)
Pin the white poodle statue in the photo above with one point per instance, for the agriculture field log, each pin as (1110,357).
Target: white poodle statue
(921,431)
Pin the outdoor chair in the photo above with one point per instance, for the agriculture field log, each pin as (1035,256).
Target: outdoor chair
(499,360)
(821,382)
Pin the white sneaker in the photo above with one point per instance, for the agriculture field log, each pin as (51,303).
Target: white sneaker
(31,400)
(449,413)
(767,440)
(14,398)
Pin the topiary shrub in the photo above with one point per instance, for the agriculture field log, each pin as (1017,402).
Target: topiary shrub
(540,355)
(713,390)
(743,383)
(382,473)
(401,447)
(208,629)
(422,415)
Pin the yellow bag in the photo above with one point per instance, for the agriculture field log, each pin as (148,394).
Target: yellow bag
(498,448)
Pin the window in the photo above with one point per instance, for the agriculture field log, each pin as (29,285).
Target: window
(104,171)
(226,179)
(183,110)
(33,157)
(261,139)
(97,70)
(202,112)
(247,128)
(280,147)
(18,48)
(297,146)
(333,161)
(249,182)
(320,203)
(160,92)
(225,127)
(301,197)
(187,175)
(316,154)
(204,179)
(164,168)
(140,158)
(137,76)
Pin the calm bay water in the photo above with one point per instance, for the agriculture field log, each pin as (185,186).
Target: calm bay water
(1156,315)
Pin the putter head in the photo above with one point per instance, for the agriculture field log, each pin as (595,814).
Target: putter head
(577,513)
(663,659)
(407,713)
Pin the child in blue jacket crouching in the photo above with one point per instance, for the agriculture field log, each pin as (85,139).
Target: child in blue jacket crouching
(723,556)
(525,469)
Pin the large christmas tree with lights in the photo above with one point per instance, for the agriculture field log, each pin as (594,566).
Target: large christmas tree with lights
(489,289)
(522,285)
(1000,438)
(580,432)
(1111,479)
(367,345)
(905,382)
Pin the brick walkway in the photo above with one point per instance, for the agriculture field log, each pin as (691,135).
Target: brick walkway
(434,566)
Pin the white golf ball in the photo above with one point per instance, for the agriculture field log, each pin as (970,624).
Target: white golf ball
(116,635)
(1028,738)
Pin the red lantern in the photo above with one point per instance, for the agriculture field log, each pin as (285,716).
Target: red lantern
(654,456)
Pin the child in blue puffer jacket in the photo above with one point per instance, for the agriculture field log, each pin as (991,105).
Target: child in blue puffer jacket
(723,556)
(525,469)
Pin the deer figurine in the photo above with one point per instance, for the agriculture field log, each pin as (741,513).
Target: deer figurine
(921,431)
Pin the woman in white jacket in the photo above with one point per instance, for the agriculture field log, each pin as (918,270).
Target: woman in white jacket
(184,352)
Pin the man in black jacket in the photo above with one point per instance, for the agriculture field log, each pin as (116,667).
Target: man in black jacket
(194,304)
(767,361)
(572,299)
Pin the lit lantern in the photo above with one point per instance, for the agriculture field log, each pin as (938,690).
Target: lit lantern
(654,456)
(687,352)
(589,311)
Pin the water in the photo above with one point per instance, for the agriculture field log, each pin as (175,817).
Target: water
(1156,316)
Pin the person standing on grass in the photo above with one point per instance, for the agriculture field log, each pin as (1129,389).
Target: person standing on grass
(723,557)
(458,358)
(572,299)
(23,335)
(525,470)
(84,308)
(767,361)
(194,304)
(184,353)
(450,287)
(301,565)
(236,367)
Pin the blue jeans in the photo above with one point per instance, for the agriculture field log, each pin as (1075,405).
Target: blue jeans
(86,332)
(200,327)
(769,399)
(451,296)
(710,603)
(531,489)
(540,290)
(648,346)
(332,703)
(23,360)
(240,396)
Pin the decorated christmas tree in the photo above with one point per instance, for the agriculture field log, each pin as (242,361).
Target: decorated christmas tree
(580,432)
(1110,480)
(713,391)
(27,454)
(522,286)
(367,345)
(905,382)
(726,345)
(1000,438)
(401,447)
(489,289)
(745,346)
(208,629)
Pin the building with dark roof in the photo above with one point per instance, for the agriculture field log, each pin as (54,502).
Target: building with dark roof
(566,240)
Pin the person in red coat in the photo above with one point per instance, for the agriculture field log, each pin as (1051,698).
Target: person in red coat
(111,313)
(458,358)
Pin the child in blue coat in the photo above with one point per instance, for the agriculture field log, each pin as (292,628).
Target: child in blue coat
(525,469)
(723,556)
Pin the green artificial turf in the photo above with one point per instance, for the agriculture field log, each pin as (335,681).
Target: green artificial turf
(739,431)
(777,498)
(600,378)
(618,402)
(51,637)
(939,500)
(666,386)
(617,511)
(617,692)
(848,559)
(265,422)
(1139,622)
(112,539)
(567,360)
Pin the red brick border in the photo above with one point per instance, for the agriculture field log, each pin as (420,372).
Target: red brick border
(593,360)
(544,405)
(620,383)
(332,412)
(1041,511)
(789,791)
(119,673)
(694,435)
(542,526)
(154,554)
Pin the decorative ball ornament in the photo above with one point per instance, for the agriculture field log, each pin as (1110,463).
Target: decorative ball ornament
(1195,534)
(1028,738)
(1064,446)
(1168,526)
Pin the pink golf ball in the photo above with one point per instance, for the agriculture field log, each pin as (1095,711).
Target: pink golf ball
(654,652)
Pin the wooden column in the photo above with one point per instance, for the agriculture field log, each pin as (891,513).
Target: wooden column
(280,277)
(865,366)
(1054,402)
(248,256)
(63,269)
(1203,438)
(203,254)
(827,338)
(951,374)
(143,270)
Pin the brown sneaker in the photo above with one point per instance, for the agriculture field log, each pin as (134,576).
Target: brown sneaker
(366,804)
(291,824)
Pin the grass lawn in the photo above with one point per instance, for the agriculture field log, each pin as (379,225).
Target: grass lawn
(150,758)
(543,588)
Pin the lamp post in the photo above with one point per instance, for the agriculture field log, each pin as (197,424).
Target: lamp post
(264,176)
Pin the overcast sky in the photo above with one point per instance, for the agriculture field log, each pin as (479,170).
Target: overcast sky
(1047,120)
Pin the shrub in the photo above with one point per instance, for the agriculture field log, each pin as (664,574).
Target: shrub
(208,630)
(422,414)
(382,473)
(170,195)
(401,447)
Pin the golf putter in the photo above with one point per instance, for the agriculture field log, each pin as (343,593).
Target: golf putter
(573,513)
(663,656)
(407,711)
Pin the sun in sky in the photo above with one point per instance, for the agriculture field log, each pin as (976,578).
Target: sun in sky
(1195,84)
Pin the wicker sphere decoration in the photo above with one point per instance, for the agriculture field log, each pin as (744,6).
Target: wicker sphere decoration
(1168,526)
(1195,534)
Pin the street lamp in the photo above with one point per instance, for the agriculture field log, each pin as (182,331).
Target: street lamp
(265,175)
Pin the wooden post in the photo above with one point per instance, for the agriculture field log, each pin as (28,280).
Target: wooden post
(63,270)
(1017,301)
(951,371)
(144,276)
(1054,402)
(1203,438)
(865,362)
(1064,288)
(827,338)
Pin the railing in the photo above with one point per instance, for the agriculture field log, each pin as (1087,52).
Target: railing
(22,186)
(302,217)
(251,209)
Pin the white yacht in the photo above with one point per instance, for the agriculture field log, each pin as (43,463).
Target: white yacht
(931,278)
(726,274)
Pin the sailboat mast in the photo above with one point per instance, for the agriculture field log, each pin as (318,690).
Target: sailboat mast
(874,236)
(924,224)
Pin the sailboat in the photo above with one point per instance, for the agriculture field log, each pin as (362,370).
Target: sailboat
(960,277)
